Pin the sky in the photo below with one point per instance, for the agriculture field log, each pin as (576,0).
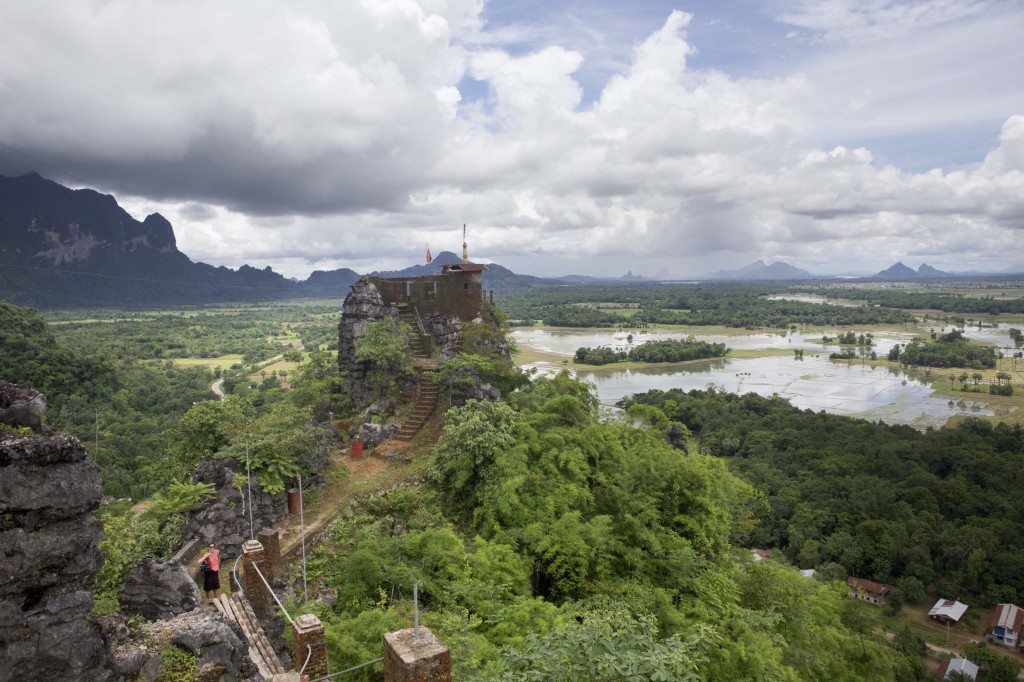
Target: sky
(570,136)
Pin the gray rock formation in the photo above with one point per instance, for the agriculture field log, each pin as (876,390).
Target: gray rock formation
(445,330)
(21,406)
(362,306)
(219,646)
(49,560)
(373,435)
(225,520)
(159,591)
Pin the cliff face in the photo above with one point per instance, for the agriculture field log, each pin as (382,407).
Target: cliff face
(61,247)
(363,305)
(50,558)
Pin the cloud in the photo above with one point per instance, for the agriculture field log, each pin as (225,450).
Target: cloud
(322,134)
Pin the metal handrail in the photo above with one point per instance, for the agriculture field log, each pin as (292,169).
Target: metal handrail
(234,574)
(419,321)
(349,670)
(271,591)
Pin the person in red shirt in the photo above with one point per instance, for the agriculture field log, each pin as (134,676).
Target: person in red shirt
(210,563)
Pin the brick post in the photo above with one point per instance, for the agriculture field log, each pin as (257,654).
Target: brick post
(309,636)
(271,541)
(412,658)
(255,590)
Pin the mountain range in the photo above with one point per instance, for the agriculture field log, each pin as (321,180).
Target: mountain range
(62,248)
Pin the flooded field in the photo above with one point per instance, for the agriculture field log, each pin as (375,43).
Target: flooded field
(815,382)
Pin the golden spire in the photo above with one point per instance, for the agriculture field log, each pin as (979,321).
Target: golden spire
(465,249)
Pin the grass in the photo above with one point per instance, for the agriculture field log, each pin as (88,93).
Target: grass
(224,361)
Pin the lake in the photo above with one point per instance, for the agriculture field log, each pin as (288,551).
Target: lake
(816,383)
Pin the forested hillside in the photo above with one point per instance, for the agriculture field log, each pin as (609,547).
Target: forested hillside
(552,545)
(93,395)
(882,502)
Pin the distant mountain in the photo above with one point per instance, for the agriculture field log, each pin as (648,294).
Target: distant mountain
(496,277)
(901,271)
(665,273)
(897,271)
(63,248)
(78,248)
(630,277)
(928,271)
(758,270)
(329,283)
(576,278)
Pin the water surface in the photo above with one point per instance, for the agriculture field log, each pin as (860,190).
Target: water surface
(849,388)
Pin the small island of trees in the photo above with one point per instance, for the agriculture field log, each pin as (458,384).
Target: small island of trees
(670,350)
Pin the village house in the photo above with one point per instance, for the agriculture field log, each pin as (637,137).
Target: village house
(958,665)
(948,611)
(761,554)
(868,590)
(1006,625)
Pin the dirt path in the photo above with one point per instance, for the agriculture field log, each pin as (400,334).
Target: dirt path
(370,474)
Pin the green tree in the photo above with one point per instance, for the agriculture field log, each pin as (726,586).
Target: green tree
(384,348)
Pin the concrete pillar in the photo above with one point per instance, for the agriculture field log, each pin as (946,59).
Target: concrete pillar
(255,591)
(271,541)
(309,636)
(412,657)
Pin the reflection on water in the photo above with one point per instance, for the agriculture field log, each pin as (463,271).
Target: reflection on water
(874,393)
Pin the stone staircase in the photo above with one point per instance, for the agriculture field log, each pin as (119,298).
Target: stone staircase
(417,344)
(426,403)
(236,608)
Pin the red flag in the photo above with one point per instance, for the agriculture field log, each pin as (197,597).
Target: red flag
(429,257)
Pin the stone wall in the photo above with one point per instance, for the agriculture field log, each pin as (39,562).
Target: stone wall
(49,557)
(458,294)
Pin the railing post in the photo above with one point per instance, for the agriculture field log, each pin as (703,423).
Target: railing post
(310,645)
(271,541)
(255,591)
(416,655)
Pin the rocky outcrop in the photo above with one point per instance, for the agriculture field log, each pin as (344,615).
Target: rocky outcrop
(362,306)
(219,647)
(445,330)
(21,406)
(159,591)
(225,519)
(373,435)
(49,560)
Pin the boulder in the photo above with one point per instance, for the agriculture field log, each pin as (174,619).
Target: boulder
(219,645)
(21,406)
(373,435)
(159,591)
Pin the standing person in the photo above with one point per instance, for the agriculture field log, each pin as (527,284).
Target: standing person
(211,571)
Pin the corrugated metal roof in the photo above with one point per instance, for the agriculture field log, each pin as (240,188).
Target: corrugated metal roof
(947,608)
(1008,616)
